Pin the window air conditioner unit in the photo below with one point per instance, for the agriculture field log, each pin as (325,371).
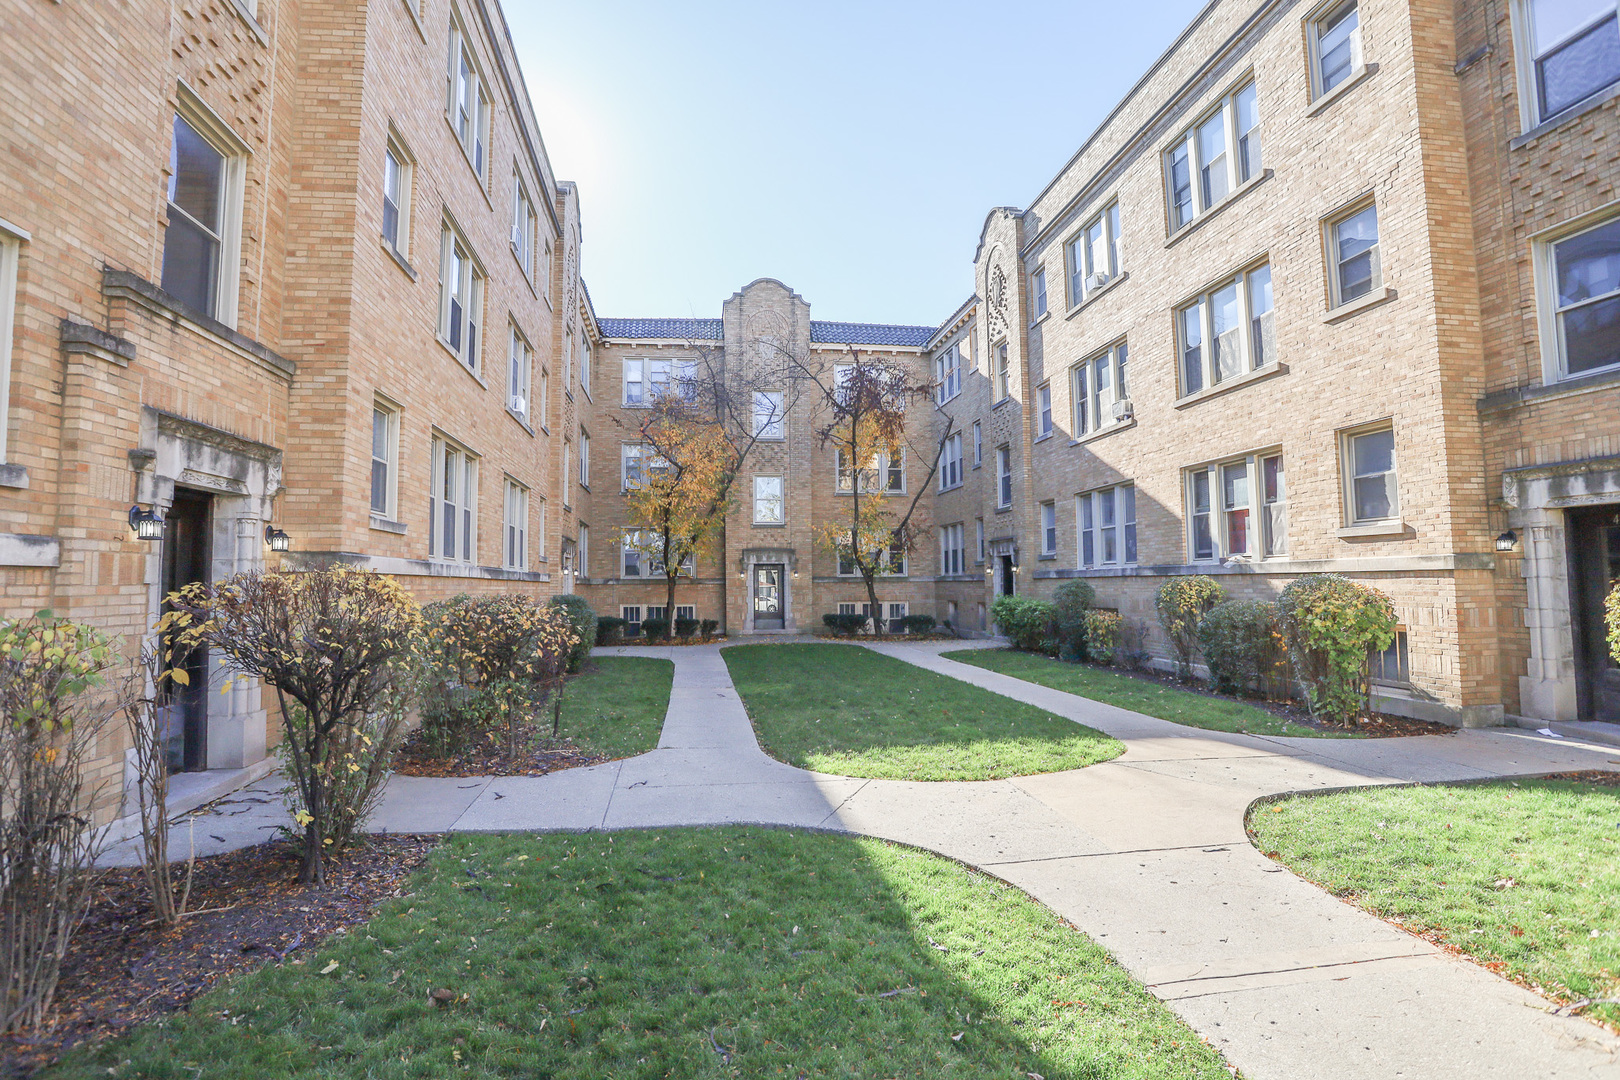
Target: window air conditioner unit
(1123,409)
(517,237)
(1096,281)
(521,406)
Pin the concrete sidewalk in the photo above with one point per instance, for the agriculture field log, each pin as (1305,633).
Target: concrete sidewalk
(1146,853)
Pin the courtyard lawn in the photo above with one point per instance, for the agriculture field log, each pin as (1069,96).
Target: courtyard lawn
(1523,876)
(847,710)
(618,708)
(691,953)
(1140,695)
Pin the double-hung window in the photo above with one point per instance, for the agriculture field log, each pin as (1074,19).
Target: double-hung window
(1043,409)
(517,375)
(1105,521)
(1004,478)
(1038,288)
(517,526)
(453,502)
(1356,268)
(1583,318)
(948,374)
(885,473)
(978,444)
(1213,157)
(586,365)
(1335,38)
(1003,373)
(396,220)
(1226,500)
(768,418)
(1372,494)
(584,460)
(952,556)
(632,557)
(468,101)
(647,380)
(384,460)
(950,464)
(1392,666)
(523,227)
(632,466)
(1048,528)
(461,298)
(768,501)
(979,546)
(1092,256)
(1098,383)
(201,241)
(1576,44)
(1227,332)
(11,245)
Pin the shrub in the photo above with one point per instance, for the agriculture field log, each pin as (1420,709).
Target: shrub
(1244,647)
(1101,635)
(845,624)
(1027,621)
(918,624)
(50,719)
(339,648)
(1181,603)
(1611,619)
(655,629)
(609,629)
(685,628)
(584,620)
(1331,624)
(1073,600)
(709,627)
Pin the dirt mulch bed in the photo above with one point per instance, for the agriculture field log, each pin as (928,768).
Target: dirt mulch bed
(488,758)
(718,639)
(122,969)
(1599,777)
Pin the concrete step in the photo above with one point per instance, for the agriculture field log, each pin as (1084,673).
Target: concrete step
(1596,731)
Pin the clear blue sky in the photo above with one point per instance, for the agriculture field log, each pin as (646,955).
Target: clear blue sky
(850,149)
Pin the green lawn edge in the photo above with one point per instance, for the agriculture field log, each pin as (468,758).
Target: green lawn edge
(617,706)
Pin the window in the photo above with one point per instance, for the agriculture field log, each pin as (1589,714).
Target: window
(10,255)
(452,505)
(979,539)
(631,614)
(584,460)
(1392,666)
(1585,287)
(950,465)
(1576,44)
(685,611)
(1372,494)
(567,472)
(517,376)
(1353,251)
(585,365)
(396,223)
(885,472)
(517,526)
(641,556)
(978,444)
(568,362)
(1043,399)
(543,398)
(584,550)
(897,618)
(461,299)
(1213,157)
(632,462)
(1099,383)
(469,101)
(1222,510)
(1003,373)
(768,505)
(384,456)
(523,227)
(948,374)
(891,561)
(768,416)
(952,556)
(647,380)
(1105,521)
(1048,528)
(1336,47)
(540,529)
(1093,255)
(1003,477)
(201,241)
(1227,332)
(1038,287)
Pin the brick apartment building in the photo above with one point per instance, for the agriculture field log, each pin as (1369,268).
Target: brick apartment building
(1333,288)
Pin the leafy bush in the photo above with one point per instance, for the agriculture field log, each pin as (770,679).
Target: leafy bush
(1181,604)
(1073,600)
(685,628)
(1102,635)
(1245,648)
(1027,621)
(609,629)
(655,629)
(339,648)
(1332,624)
(50,719)
(918,624)
(1611,619)
(708,628)
(847,625)
(584,620)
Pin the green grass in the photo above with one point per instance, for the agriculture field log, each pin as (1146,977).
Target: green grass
(1523,876)
(618,708)
(681,953)
(1140,695)
(847,710)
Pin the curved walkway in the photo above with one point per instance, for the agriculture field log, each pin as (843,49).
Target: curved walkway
(1145,853)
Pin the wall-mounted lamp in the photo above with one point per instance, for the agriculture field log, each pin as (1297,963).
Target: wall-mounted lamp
(146,523)
(278,540)
(1508,541)
(989,570)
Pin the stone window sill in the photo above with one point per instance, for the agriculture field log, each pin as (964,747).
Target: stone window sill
(1527,395)
(1208,215)
(1394,527)
(1558,120)
(398,257)
(13,476)
(1108,287)
(382,524)
(1111,428)
(1357,77)
(1043,438)
(1270,371)
(462,364)
(1359,304)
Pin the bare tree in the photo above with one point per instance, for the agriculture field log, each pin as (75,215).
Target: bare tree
(145,690)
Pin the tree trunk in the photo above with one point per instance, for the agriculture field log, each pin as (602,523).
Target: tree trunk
(871,597)
(669,595)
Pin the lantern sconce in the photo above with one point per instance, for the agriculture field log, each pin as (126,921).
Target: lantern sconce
(1508,541)
(148,525)
(276,538)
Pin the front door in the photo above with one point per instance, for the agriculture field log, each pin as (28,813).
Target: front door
(185,560)
(1006,575)
(769,603)
(1594,559)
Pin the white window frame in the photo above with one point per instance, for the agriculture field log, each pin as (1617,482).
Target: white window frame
(886,568)
(1534,112)
(1347,470)
(515,526)
(1316,21)
(471,96)
(567,474)
(948,373)
(525,223)
(233,181)
(540,528)
(1004,485)
(462,500)
(656,376)
(460,334)
(950,465)
(1213,181)
(1049,542)
(584,459)
(1003,373)
(770,419)
(582,548)
(1091,255)
(1250,358)
(1043,411)
(770,501)
(519,366)
(390,459)
(1261,542)
(632,466)
(631,614)
(952,551)
(980,545)
(1105,527)
(1037,288)
(1091,409)
(405,168)
(1554,354)
(11,241)
(877,478)
(586,362)
(1335,265)
(978,444)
